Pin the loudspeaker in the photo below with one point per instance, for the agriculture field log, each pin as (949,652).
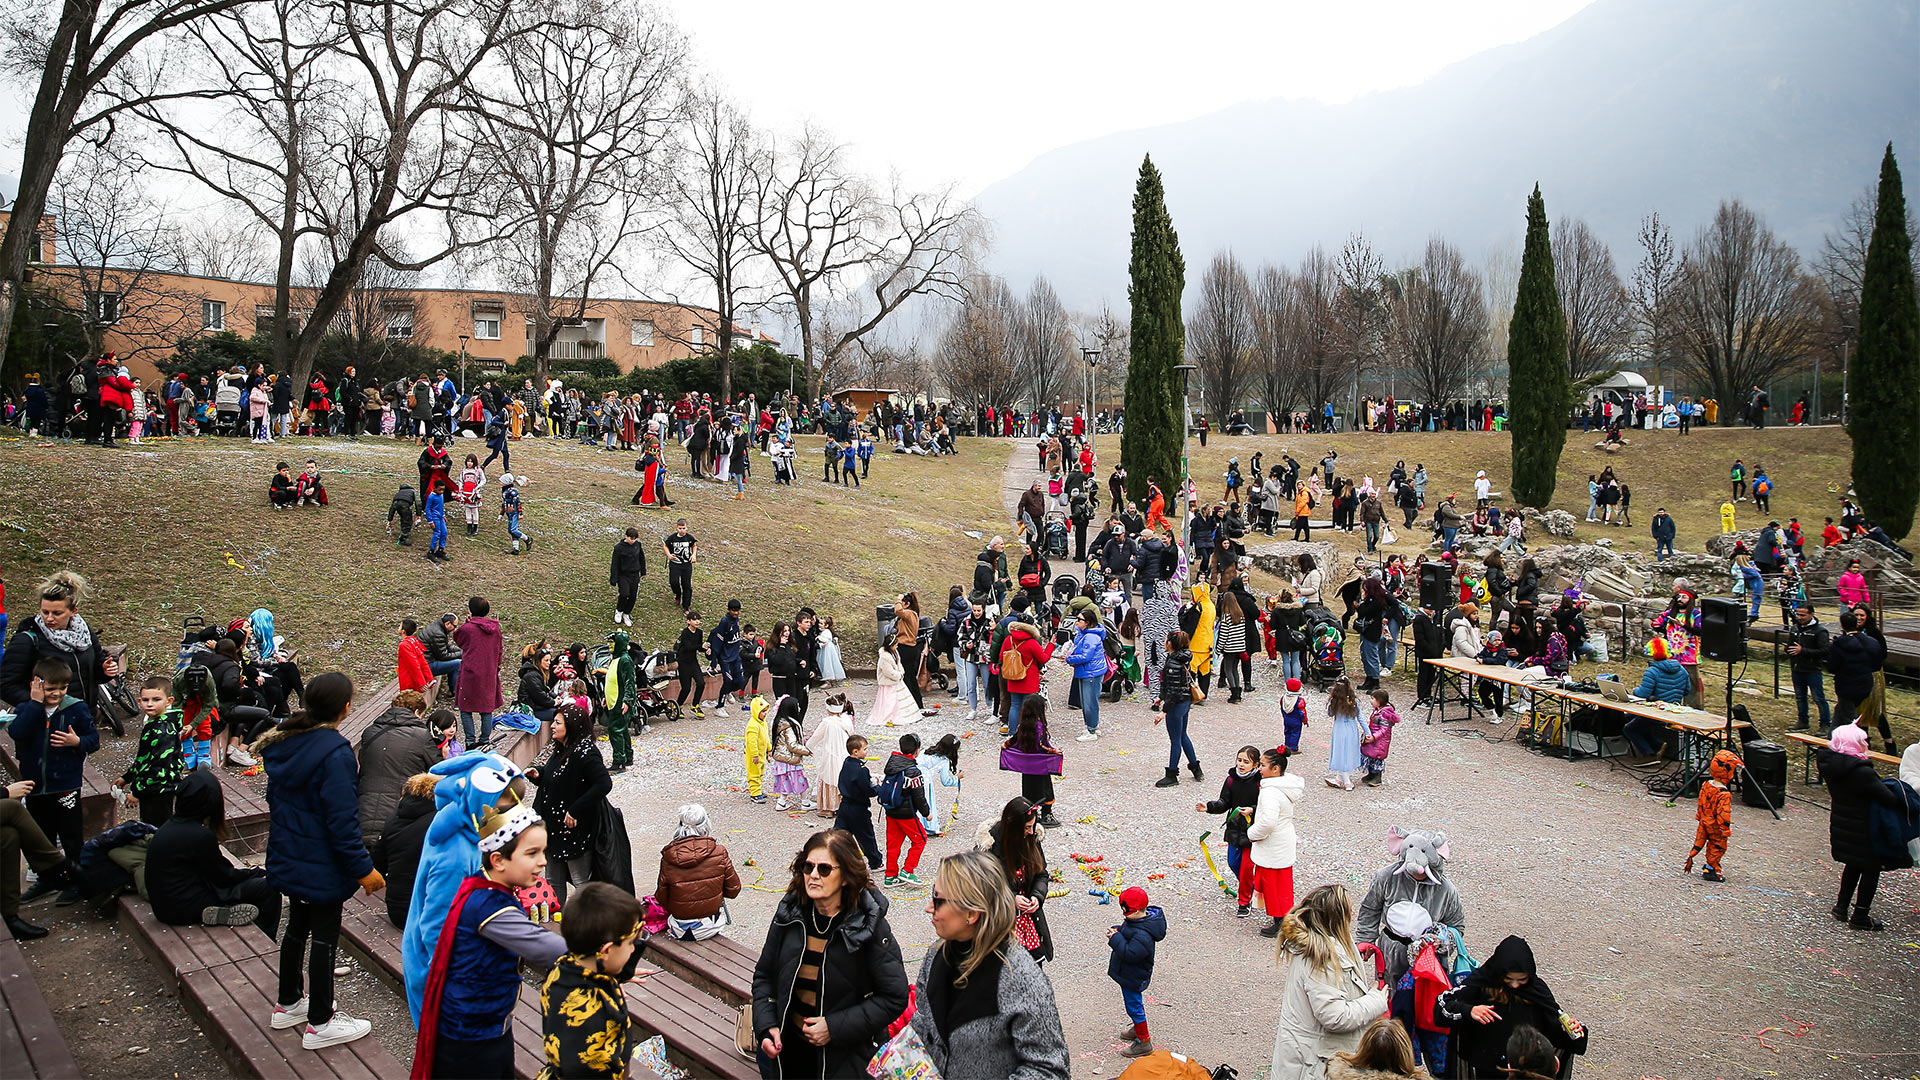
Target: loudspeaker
(1436,586)
(1767,772)
(1723,628)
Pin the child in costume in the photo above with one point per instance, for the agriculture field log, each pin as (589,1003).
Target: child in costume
(308,487)
(621,701)
(158,766)
(1293,713)
(1377,739)
(401,510)
(758,744)
(1715,815)
(510,509)
(469,785)
(472,479)
(828,744)
(280,490)
(856,800)
(832,671)
(436,514)
(1726,518)
(473,984)
(789,754)
(1131,965)
(583,1011)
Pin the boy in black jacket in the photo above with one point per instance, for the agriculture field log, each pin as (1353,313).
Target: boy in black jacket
(401,508)
(686,657)
(158,766)
(903,799)
(856,792)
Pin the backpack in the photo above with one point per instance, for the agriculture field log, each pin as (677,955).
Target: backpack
(77,382)
(892,791)
(1013,666)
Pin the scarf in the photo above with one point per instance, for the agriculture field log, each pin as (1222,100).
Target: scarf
(75,638)
(952,1006)
(429,1034)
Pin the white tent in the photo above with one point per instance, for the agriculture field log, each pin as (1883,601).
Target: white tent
(1629,381)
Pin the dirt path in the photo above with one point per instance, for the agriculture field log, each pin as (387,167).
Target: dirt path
(1020,474)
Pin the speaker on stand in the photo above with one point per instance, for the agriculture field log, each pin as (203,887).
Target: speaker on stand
(1723,637)
(1436,586)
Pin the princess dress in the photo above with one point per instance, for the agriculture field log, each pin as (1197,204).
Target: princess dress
(1345,757)
(828,656)
(893,706)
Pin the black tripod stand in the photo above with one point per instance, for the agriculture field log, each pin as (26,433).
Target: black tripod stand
(1728,741)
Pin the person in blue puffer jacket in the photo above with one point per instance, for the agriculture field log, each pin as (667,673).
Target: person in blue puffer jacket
(1089,660)
(315,854)
(1665,680)
(1131,965)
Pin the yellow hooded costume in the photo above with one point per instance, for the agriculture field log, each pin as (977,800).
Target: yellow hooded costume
(1202,644)
(759,744)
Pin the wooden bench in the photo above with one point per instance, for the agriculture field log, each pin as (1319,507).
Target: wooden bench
(366,933)
(1811,776)
(246,812)
(719,965)
(367,710)
(30,1039)
(698,1027)
(98,809)
(227,978)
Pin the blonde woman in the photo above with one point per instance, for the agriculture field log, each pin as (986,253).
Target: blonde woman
(986,1010)
(1328,996)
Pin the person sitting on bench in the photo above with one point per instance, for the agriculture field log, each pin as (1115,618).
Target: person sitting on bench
(1665,680)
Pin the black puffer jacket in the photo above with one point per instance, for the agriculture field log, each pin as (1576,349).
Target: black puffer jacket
(1853,658)
(1854,788)
(534,693)
(1237,792)
(1176,678)
(863,985)
(397,853)
(30,644)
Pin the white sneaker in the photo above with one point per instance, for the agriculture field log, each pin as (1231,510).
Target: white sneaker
(286,1016)
(972,714)
(1090,736)
(809,805)
(341,1029)
(236,756)
(780,804)
(718,710)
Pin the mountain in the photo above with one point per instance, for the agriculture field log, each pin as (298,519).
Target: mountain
(1630,106)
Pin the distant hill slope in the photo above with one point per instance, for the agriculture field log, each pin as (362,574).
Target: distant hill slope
(1629,106)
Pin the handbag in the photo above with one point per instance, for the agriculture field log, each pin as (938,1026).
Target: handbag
(1026,931)
(1199,695)
(744,1037)
(1029,581)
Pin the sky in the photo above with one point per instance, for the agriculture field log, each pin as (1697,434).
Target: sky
(969,94)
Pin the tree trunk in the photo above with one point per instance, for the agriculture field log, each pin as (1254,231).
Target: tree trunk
(54,108)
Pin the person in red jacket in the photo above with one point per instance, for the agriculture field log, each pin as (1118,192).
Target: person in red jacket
(412,667)
(115,402)
(1830,535)
(1023,638)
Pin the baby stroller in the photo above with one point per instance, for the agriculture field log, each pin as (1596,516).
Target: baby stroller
(1121,668)
(1325,662)
(930,654)
(1057,534)
(1061,593)
(653,669)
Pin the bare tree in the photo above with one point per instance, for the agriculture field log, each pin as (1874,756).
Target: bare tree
(574,132)
(225,245)
(1598,321)
(380,309)
(1220,334)
(975,356)
(1743,308)
(123,254)
(712,224)
(1439,322)
(269,59)
(1113,336)
(94,62)
(1843,258)
(1043,345)
(1278,329)
(1361,309)
(1651,296)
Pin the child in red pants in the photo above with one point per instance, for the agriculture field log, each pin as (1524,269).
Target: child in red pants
(903,798)
(1715,815)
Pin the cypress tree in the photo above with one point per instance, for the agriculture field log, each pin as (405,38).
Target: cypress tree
(1151,443)
(1884,414)
(1539,393)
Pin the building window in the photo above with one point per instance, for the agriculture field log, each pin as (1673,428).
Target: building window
(642,333)
(486,329)
(213,314)
(400,324)
(103,308)
(697,335)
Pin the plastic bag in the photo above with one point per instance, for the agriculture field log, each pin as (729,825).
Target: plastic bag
(652,1053)
(904,1057)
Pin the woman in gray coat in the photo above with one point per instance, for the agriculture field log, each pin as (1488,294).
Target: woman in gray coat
(985,1010)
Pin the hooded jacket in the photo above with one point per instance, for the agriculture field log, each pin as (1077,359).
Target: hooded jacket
(863,981)
(1089,655)
(1485,1045)
(1272,829)
(396,853)
(314,848)
(1853,658)
(396,746)
(696,875)
(1854,787)
(31,643)
(1202,633)
(1132,941)
(533,692)
(481,650)
(1321,1013)
(986,571)
(914,801)
(54,770)
(184,862)
(410,665)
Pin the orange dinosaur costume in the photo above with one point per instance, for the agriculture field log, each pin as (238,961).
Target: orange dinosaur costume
(1715,815)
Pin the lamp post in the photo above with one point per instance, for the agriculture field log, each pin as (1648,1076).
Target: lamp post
(1845,340)
(463,365)
(1186,425)
(1093,364)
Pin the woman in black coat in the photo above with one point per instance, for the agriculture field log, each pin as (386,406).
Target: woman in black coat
(783,661)
(1025,863)
(56,632)
(1504,993)
(536,668)
(830,979)
(396,851)
(1854,787)
(189,880)
(574,785)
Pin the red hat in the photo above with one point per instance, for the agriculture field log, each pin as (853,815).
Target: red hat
(1293,686)
(1133,898)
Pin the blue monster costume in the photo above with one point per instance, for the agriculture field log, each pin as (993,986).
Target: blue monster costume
(468,785)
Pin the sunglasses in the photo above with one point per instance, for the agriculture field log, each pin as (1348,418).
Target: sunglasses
(939,901)
(819,869)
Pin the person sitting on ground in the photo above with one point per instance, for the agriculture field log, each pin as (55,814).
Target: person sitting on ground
(308,488)
(280,490)
(190,881)
(697,878)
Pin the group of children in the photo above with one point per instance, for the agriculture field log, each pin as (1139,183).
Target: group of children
(286,490)
(439,486)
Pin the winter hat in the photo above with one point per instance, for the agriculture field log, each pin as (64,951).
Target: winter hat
(1850,739)
(1293,686)
(508,479)
(1133,898)
(1657,648)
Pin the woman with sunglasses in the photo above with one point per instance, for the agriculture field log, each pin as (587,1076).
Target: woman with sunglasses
(829,979)
(986,1010)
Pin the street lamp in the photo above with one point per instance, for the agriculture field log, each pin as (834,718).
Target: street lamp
(1093,363)
(1186,425)
(1845,340)
(463,365)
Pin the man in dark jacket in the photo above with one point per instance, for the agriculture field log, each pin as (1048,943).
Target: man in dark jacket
(1852,657)
(1153,557)
(347,392)
(989,573)
(1429,643)
(395,747)
(908,789)
(1807,643)
(190,881)
(629,566)
(1663,534)
(1117,552)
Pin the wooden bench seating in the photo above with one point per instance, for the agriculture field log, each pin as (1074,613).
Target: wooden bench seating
(227,978)
(719,965)
(246,811)
(1811,776)
(366,710)
(98,810)
(30,1039)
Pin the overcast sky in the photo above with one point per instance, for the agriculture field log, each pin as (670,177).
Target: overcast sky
(972,93)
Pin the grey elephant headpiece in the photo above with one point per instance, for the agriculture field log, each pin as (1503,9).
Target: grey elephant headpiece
(1423,855)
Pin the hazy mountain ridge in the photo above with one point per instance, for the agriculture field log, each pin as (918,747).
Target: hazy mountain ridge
(1628,107)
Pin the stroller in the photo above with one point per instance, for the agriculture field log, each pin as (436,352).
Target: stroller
(1057,534)
(1121,667)
(654,669)
(1325,662)
(1061,593)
